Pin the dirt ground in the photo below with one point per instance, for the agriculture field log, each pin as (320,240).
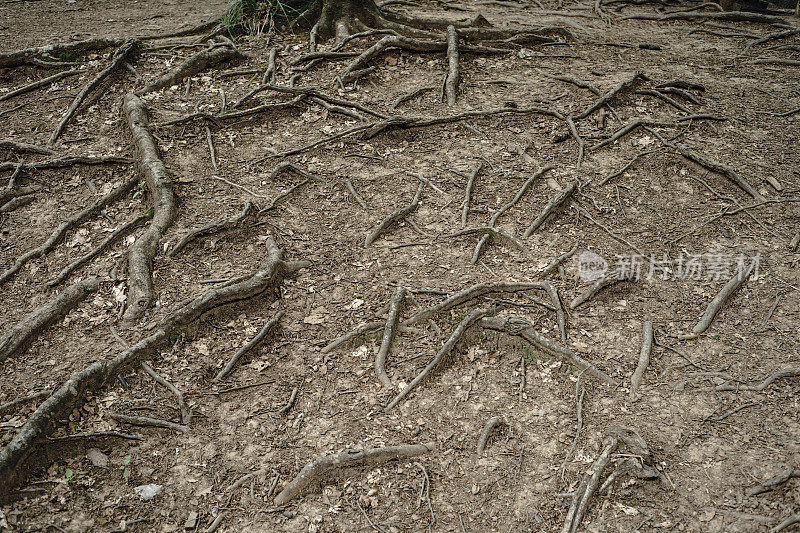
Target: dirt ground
(710,446)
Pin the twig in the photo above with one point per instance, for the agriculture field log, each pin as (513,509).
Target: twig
(355,195)
(148,421)
(292,398)
(211,150)
(322,465)
(262,334)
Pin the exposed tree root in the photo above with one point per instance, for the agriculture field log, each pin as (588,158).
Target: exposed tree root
(355,195)
(396,216)
(65,226)
(68,161)
(271,324)
(555,263)
(44,316)
(773,482)
(722,297)
(468,193)
(277,170)
(729,16)
(456,336)
(113,237)
(452,79)
(8,406)
(587,487)
(44,82)
(609,95)
(148,421)
(769,380)
(389,332)
(789,522)
(312,92)
(491,424)
(120,56)
(16,146)
(186,412)
(660,95)
(98,374)
(606,281)
(212,228)
(32,55)
(142,251)
(489,234)
(323,465)
(621,171)
(555,202)
(211,56)
(16,203)
(221,118)
(523,328)
(411,94)
(644,358)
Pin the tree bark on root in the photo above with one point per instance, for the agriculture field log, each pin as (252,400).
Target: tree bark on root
(100,373)
(141,252)
(722,297)
(389,332)
(214,227)
(322,465)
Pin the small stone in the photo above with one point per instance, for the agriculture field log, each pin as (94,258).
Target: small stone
(191,521)
(148,492)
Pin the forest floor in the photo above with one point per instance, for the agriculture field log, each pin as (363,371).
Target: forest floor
(709,437)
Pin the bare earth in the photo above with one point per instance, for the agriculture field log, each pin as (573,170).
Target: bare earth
(708,445)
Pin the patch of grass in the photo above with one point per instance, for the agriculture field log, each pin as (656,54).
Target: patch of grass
(253,17)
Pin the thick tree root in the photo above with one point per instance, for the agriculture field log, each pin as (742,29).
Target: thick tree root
(389,332)
(141,252)
(555,202)
(720,168)
(587,487)
(214,55)
(325,464)
(31,55)
(268,328)
(491,424)
(456,336)
(98,374)
(16,203)
(113,237)
(522,328)
(644,358)
(394,217)
(65,226)
(215,227)
(722,297)
(120,56)
(44,316)
(452,79)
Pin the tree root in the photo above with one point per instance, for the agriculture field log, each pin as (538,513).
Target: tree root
(555,263)
(117,234)
(16,146)
(16,203)
(324,464)
(394,217)
(278,169)
(644,358)
(30,55)
(722,297)
(355,195)
(609,95)
(271,324)
(147,421)
(785,373)
(452,79)
(45,315)
(44,82)
(491,424)
(606,281)
(789,522)
(211,56)
(523,328)
(389,332)
(311,92)
(65,226)
(100,373)
(67,161)
(186,412)
(773,482)
(489,234)
(120,56)
(142,251)
(587,487)
(4,408)
(555,202)
(456,336)
(729,16)
(468,193)
(221,118)
(212,228)
(660,95)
